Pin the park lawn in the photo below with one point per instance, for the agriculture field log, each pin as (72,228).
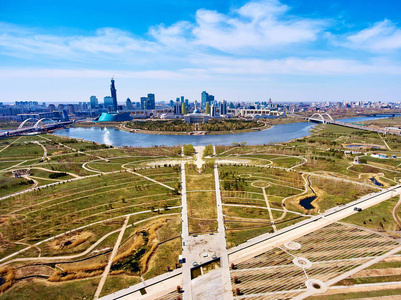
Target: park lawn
(237,237)
(10,185)
(5,164)
(202,202)
(335,192)
(74,211)
(164,258)
(22,150)
(287,162)
(44,290)
(378,217)
(115,283)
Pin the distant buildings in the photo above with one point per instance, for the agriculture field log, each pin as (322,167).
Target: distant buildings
(108,103)
(113,92)
(128,104)
(223,107)
(148,102)
(93,102)
(206,98)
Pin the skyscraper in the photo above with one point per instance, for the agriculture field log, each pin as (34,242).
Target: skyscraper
(128,103)
(109,103)
(177,107)
(93,102)
(144,101)
(223,107)
(113,92)
(151,101)
(204,96)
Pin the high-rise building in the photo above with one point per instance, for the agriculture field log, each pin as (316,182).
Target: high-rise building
(213,110)
(109,103)
(204,97)
(94,103)
(207,108)
(144,101)
(183,108)
(182,99)
(113,92)
(177,108)
(151,101)
(128,103)
(223,107)
(51,107)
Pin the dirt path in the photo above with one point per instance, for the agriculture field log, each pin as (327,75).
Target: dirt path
(111,258)
(52,171)
(385,143)
(10,144)
(395,216)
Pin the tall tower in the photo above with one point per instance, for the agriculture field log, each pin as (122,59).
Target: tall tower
(113,92)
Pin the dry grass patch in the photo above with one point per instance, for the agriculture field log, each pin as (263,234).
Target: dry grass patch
(7,278)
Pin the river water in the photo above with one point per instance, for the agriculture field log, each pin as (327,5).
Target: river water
(115,137)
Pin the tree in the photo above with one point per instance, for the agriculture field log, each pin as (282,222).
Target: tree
(189,149)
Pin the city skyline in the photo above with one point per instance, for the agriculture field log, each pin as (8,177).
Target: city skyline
(237,50)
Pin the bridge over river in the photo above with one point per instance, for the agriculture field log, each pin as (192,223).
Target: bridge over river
(39,126)
(327,119)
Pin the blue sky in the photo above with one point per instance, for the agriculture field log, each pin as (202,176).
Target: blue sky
(289,50)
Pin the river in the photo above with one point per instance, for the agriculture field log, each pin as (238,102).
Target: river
(115,137)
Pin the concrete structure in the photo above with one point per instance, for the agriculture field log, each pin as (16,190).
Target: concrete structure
(196,117)
(251,113)
(113,117)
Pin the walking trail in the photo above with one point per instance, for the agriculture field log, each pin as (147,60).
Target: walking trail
(110,262)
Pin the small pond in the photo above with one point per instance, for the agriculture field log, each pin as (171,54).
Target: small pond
(375,181)
(307,202)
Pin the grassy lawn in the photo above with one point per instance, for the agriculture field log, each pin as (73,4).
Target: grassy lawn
(378,217)
(41,289)
(204,197)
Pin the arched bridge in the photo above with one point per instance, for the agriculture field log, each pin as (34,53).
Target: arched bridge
(38,123)
(321,118)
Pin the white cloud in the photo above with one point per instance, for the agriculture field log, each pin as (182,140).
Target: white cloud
(90,73)
(382,36)
(258,25)
(21,42)
(299,66)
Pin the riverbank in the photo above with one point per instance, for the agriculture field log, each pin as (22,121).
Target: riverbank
(121,126)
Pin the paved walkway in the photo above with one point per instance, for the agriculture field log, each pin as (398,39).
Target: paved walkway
(150,179)
(110,262)
(224,263)
(269,210)
(186,266)
(199,162)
